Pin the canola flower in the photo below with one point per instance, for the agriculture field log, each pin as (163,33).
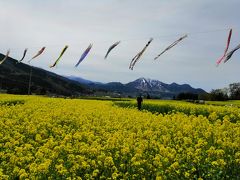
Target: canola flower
(88,139)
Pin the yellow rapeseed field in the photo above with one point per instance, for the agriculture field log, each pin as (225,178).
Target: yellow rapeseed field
(89,139)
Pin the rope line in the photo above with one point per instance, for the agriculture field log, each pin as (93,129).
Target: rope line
(132,39)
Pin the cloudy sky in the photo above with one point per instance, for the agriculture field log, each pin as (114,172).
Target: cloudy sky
(55,23)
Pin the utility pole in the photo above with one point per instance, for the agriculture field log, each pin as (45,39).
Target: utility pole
(30,81)
(1,83)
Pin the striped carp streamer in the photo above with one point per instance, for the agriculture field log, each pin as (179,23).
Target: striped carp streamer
(111,48)
(85,53)
(63,51)
(229,54)
(172,45)
(6,56)
(24,54)
(226,49)
(136,58)
(38,54)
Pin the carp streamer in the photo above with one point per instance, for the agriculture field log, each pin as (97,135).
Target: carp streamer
(229,54)
(226,49)
(24,54)
(172,45)
(111,48)
(85,53)
(136,58)
(39,53)
(63,50)
(6,56)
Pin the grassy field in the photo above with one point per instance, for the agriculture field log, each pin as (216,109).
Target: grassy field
(59,138)
(225,103)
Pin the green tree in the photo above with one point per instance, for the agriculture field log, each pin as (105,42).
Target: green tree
(234,89)
(218,95)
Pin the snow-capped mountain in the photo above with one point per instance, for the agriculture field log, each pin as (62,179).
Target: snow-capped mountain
(151,85)
(148,85)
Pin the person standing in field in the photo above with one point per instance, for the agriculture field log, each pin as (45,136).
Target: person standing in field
(139,101)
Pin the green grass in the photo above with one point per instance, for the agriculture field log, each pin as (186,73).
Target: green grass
(225,103)
(104,98)
(170,106)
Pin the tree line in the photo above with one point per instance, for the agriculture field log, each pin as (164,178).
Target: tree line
(230,93)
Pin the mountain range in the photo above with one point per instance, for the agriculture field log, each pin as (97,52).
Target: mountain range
(154,88)
(15,78)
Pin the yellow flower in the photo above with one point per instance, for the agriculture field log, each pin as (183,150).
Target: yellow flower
(108,161)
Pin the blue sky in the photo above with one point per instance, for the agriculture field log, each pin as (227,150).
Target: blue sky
(55,23)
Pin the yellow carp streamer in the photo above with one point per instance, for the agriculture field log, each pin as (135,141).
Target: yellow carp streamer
(63,51)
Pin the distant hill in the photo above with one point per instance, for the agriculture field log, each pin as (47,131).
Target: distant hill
(82,80)
(14,78)
(145,86)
